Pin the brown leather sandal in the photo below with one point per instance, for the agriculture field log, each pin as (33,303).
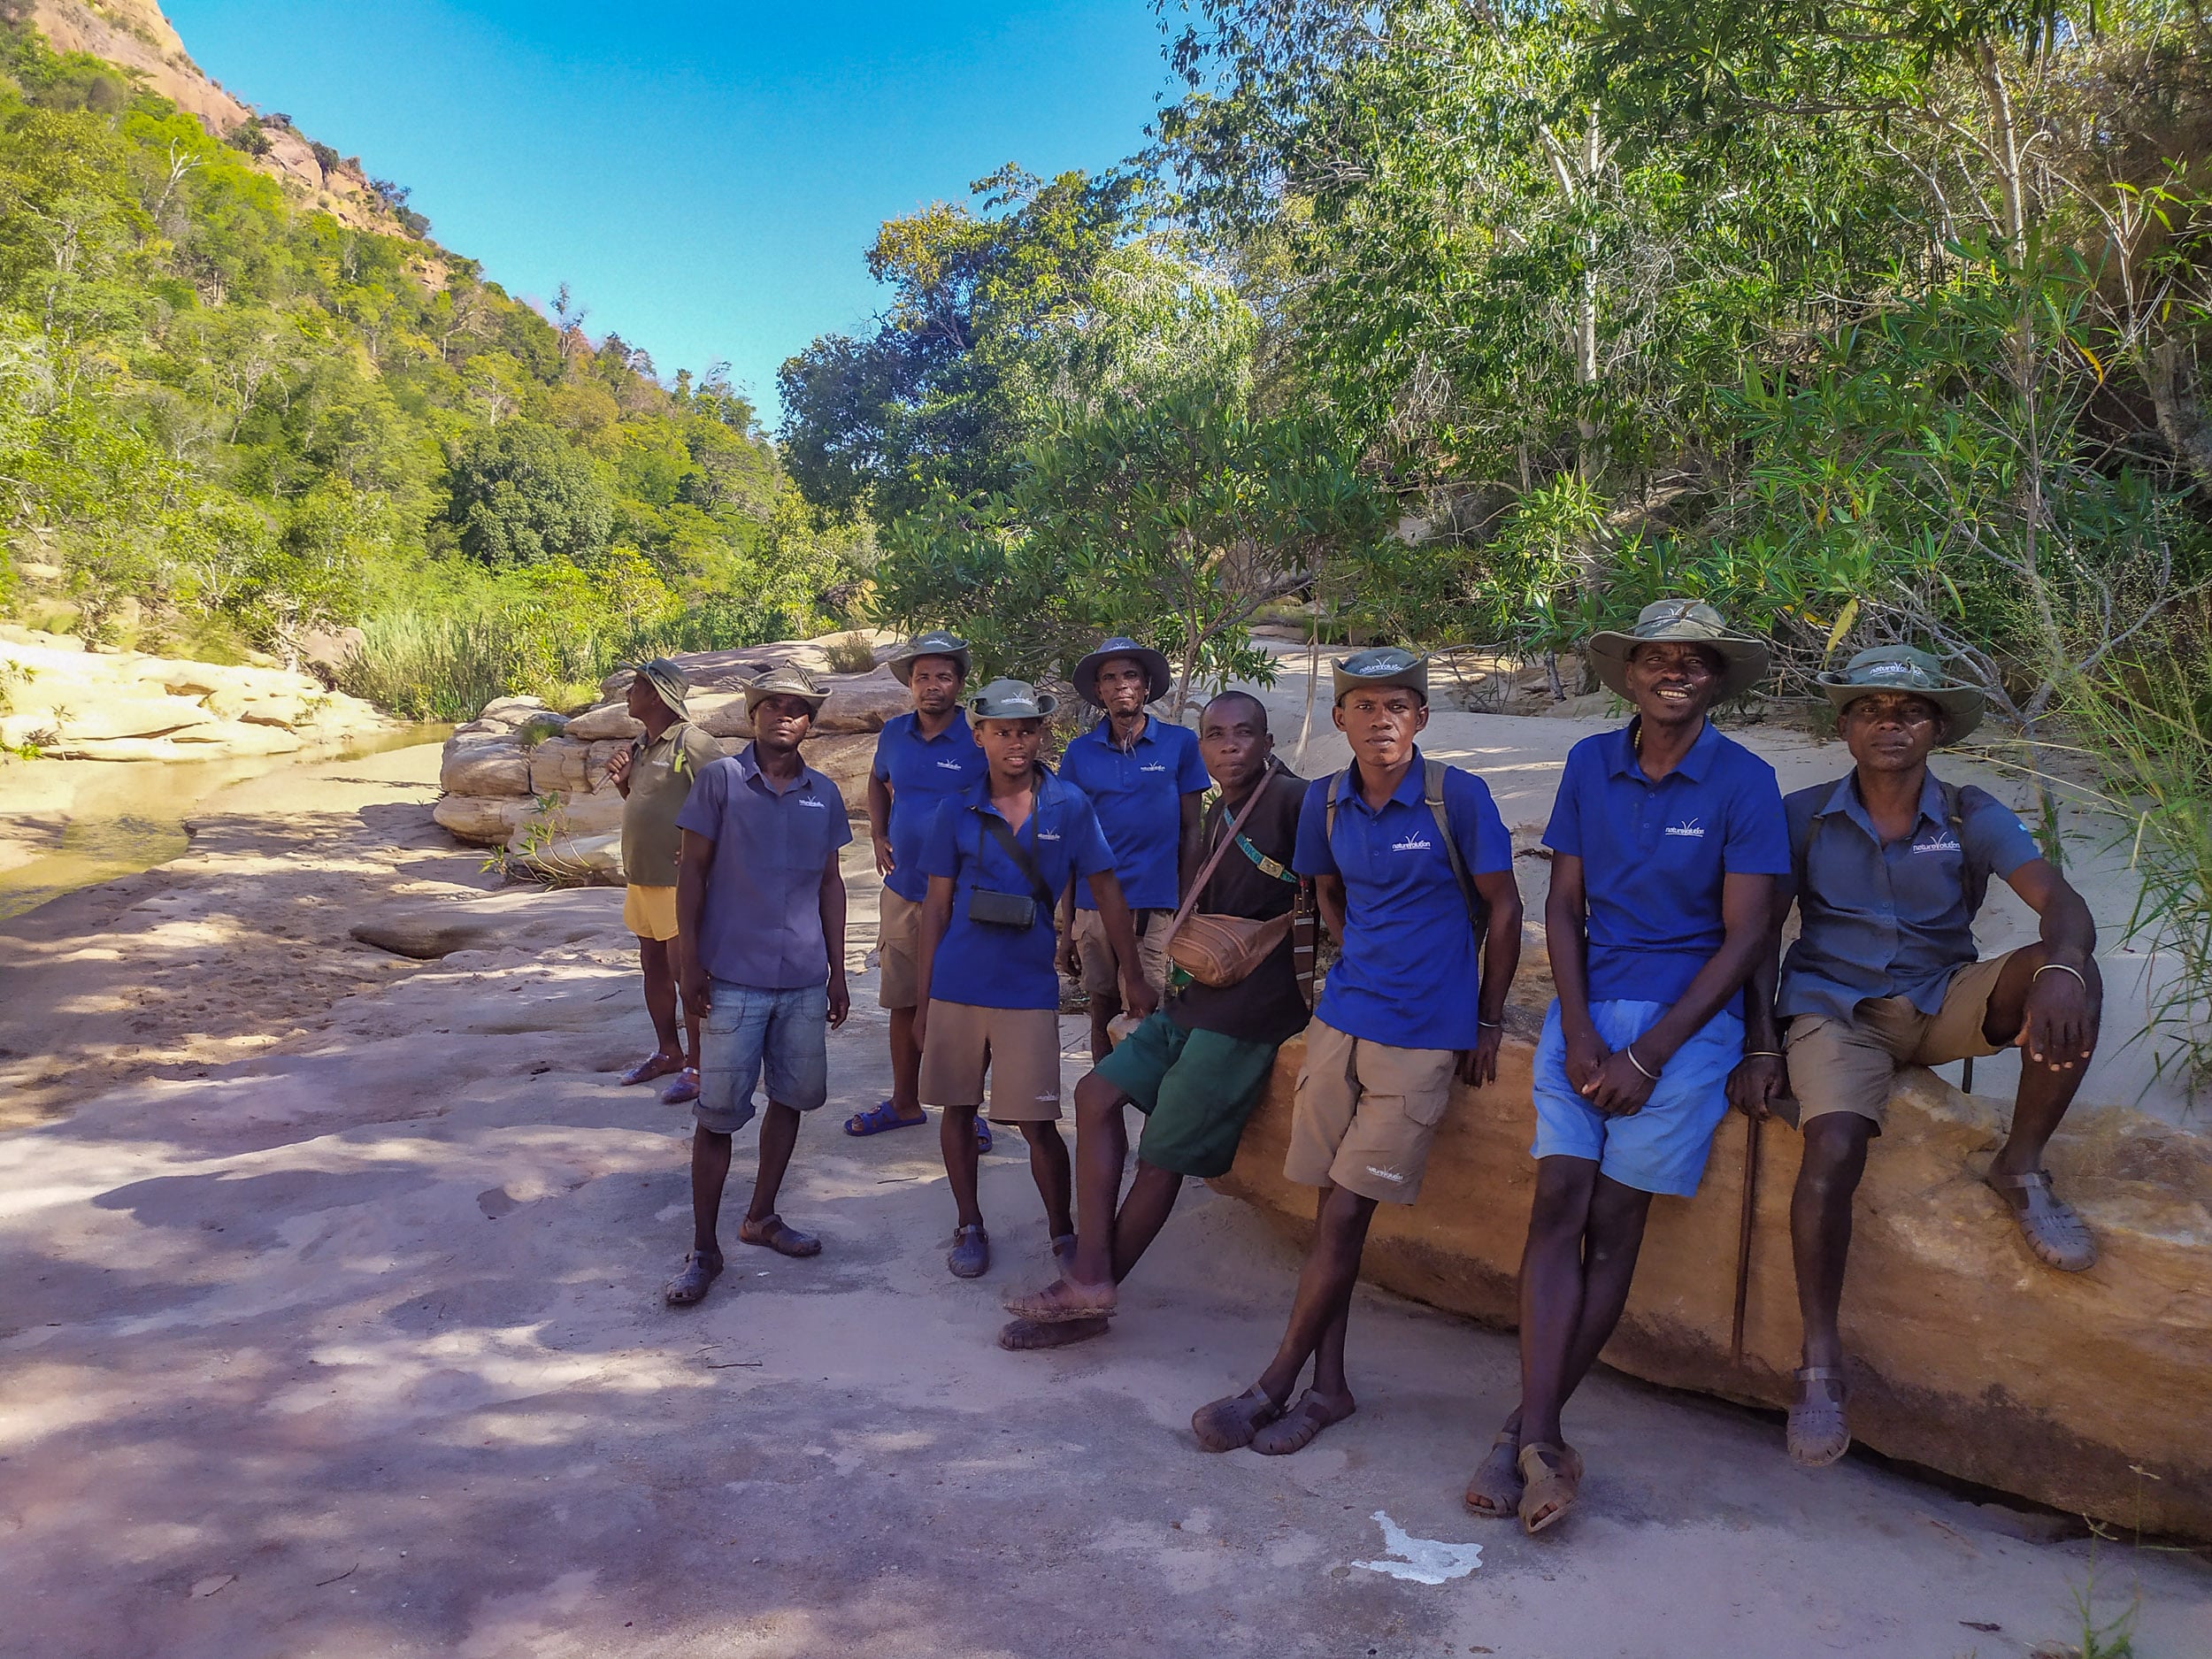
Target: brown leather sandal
(1497,1487)
(1818,1433)
(1552,1486)
(1230,1423)
(771,1234)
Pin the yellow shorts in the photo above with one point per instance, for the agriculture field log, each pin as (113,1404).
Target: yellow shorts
(1837,1066)
(1366,1114)
(649,912)
(1102,973)
(898,937)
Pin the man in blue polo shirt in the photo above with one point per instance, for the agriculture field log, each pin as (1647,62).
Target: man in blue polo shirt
(760,903)
(1411,866)
(1666,840)
(996,858)
(1145,780)
(923,758)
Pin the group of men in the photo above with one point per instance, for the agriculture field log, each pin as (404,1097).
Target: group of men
(1675,862)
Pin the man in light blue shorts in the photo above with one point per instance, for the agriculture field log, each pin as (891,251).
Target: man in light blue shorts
(1666,840)
(761,904)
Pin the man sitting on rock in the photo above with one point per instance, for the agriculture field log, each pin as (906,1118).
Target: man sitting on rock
(760,902)
(1406,856)
(654,776)
(1890,867)
(997,858)
(1145,781)
(1666,841)
(1199,1065)
(923,759)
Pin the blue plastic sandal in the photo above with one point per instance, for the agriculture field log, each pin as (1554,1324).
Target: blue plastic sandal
(982,1135)
(879,1118)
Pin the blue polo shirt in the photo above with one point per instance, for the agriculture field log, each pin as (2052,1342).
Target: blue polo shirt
(1138,794)
(987,965)
(1411,967)
(1889,918)
(922,772)
(1654,854)
(761,923)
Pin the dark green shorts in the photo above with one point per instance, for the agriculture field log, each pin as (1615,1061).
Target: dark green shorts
(1195,1089)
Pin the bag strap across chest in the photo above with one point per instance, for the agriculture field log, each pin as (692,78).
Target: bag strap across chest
(996,827)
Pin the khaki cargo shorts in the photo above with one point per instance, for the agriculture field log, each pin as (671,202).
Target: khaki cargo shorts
(1839,1066)
(898,941)
(1101,971)
(1366,1114)
(1018,1047)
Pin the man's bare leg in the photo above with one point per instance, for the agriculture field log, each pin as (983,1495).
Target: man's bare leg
(779,1134)
(1322,1307)
(955,1141)
(906,1068)
(1105,1009)
(1049,1168)
(1584,1235)
(709,1169)
(1102,1149)
(657,964)
(2046,1090)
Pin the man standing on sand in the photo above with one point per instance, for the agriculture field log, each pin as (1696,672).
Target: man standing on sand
(1145,780)
(1666,840)
(922,759)
(1199,1065)
(654,776)
(1889,867)
(996,858)
(760,902)
(1407,854)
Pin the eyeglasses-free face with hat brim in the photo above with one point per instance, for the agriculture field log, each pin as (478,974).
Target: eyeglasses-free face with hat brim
(1682,621)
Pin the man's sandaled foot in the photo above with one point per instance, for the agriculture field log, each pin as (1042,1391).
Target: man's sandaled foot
(769,1232)
(1497,1487)
(2053,1228)
(654,1066)
(1061,1300)
(880,1118)
(1023,1335)
(1554,1476)
(969,1256)
(1295,1429)
(1818,1433)
(1230,1423)
(690,1285)
(683,1090)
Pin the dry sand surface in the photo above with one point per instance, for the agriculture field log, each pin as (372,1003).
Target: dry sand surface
(332,1327)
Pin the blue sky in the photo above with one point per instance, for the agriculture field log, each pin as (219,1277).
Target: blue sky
(704,177)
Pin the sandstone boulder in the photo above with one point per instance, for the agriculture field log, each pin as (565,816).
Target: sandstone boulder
(2087,1392)
(494,921)
(481,766)
(609,719)
(485,820)
(560,764)
(510,712)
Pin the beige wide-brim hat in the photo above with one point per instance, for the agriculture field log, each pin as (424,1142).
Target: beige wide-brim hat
(1743,660)
(936,642)
(1011,700)
(784,681)
(1384,666)
(1891,668)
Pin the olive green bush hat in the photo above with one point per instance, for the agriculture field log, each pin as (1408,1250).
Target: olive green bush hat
(1884,668)
(667,678)
(936,642)
(1743,659)
(1157,675)
(1384,666)
(784,680)
(1011,700)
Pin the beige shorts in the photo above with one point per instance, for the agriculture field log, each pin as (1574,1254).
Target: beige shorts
(649,912)
(1101,971)
(898,937)
(1366,1115)
(1837,1066)
(1019,1047)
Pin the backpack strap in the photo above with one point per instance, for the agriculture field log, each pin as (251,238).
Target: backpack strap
(1433,797)
(1973,871)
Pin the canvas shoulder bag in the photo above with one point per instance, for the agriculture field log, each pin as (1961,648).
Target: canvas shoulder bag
(1215,949)
(1010,911)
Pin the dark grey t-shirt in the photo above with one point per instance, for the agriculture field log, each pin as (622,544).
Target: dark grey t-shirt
(762,922)
(1265,1005)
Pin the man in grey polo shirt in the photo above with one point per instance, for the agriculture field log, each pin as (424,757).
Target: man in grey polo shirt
(760,902)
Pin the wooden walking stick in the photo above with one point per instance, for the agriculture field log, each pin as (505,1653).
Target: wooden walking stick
(1743,1236)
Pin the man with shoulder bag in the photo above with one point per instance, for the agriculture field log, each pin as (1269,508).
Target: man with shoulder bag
(1198,1066)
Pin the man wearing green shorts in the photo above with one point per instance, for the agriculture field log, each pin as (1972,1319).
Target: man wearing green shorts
(1197,1067)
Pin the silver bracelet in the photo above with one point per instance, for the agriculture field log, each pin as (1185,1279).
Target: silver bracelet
(1764,1053)
(1490,1024)
(1630,1052)
(2062,968)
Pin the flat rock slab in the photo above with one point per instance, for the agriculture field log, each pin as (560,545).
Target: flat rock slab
(498,921)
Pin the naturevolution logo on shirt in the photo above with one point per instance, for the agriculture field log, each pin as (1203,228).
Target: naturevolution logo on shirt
(1940,844)
(1691,828)
(1412,844)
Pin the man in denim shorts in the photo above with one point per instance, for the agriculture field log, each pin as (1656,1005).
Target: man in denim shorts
(1666,840)
(760,902)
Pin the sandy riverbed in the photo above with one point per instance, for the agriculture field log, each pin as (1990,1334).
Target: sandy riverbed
(333,1328)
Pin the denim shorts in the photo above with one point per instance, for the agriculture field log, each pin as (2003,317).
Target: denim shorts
(1662,1147)
(748,1031)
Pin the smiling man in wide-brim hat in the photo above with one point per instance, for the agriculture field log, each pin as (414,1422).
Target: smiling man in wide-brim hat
(1743,660)
(1891,669)
(936,642)
(1157,675)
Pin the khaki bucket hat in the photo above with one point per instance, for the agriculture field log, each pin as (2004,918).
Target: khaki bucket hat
(1384,666)
(1743,659)
(1011,700)
(936,642)
(1886,668)
(784,680)
(666,677)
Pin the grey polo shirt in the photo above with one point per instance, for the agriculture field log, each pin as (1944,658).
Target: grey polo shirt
(1888,919)
(761,923)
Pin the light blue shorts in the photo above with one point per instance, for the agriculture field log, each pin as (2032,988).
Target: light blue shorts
(1662,1147)
(749,1031)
